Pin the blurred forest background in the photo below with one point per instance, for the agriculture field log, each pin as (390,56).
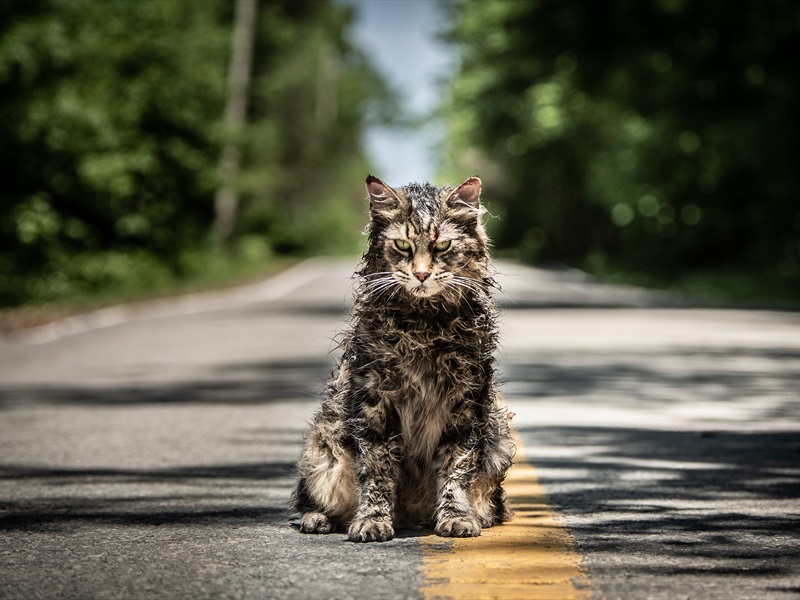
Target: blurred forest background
(653,141)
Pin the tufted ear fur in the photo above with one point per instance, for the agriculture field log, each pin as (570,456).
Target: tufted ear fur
(468,195)
(383,200)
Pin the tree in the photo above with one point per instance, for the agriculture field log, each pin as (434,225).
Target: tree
(111,116)
(226,200)
(655,134)
(313,95)
(106,110)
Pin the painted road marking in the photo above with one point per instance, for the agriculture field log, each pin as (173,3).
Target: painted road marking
(531,557)
(278,286)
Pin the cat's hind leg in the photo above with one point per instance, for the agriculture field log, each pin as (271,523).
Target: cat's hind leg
(489,501)
(487,495)
(327,493)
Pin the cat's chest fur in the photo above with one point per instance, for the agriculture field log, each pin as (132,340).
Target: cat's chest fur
(422,369)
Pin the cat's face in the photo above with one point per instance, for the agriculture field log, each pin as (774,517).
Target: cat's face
(430,239)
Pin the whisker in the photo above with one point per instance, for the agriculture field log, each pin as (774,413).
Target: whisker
(469,283)
(458,286)
(379,287)
(378,281)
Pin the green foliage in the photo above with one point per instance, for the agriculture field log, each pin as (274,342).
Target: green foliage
(313,96)
(110,116)
(103,142)
(657,135)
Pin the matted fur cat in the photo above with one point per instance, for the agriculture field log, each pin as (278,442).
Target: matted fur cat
(412,432)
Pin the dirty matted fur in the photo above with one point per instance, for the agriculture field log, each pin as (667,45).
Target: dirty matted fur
(411,431)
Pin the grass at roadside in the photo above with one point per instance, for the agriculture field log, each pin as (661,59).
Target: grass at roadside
(219,274)
(741,288)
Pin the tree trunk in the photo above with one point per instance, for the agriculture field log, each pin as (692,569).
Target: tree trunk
(226,201)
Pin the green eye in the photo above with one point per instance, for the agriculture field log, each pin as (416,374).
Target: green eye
(442,246)
(402,245)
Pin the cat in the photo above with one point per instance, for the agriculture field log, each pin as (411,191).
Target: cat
(412,431)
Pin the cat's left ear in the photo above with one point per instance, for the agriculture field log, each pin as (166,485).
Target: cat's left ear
(383,200)
(468,194)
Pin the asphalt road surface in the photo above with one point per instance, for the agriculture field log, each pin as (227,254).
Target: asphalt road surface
(148,452)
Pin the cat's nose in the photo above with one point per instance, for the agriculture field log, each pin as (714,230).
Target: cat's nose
(421,276)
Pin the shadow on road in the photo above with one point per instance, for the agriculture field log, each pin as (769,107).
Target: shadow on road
(127,511)
(62,499)
(649,498)
(70,467)
(757,383)
(670,461)
(674,502)
(240,383)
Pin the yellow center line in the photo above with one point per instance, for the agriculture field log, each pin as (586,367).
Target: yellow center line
(532,556)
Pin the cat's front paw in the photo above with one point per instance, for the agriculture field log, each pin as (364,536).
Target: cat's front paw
(315,522)
(458,527)
(370,530)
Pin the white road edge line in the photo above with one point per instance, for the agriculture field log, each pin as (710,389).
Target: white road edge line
(269,290)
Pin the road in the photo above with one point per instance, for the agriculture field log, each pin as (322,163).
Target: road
(149,452)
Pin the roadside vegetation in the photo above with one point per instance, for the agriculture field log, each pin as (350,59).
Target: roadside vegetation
(113,121)
(652,142)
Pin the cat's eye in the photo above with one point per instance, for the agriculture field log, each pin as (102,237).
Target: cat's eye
(442,246)
(402,245)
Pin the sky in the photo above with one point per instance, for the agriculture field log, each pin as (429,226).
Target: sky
(400,36)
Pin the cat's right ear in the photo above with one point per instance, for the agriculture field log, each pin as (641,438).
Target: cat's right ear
(382,199)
